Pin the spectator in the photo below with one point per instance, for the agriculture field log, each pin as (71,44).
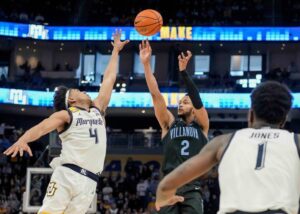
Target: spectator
(141,190)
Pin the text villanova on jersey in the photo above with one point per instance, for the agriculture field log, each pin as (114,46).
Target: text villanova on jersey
(184,132)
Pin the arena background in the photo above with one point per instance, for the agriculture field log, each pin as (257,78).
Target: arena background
(236,44)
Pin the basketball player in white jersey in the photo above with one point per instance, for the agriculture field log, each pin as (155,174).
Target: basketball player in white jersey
(259,166)
(81,126)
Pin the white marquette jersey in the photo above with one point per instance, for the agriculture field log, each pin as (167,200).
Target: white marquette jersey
(259,171)
(84,140)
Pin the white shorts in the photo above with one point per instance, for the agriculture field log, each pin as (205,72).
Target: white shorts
(68,192)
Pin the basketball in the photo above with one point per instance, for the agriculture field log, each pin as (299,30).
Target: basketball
(148,22)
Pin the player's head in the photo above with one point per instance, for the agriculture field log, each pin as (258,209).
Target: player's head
(270,103)
(185,107)
(65,97)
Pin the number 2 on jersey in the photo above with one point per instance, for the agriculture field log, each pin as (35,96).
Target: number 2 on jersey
(184,149)
(94,134)
(261,154)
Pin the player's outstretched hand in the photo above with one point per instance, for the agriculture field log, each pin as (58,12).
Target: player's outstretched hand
(161,202)
(145,51)
(18,147)
(183,60)
(117,43)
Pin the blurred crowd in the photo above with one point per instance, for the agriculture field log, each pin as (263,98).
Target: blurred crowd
(182,12)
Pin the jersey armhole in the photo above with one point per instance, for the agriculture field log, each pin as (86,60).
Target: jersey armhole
(296,139)
(67,125)
(162,139)
(231,138)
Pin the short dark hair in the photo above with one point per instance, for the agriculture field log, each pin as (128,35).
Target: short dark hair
(271,102)
(59,98)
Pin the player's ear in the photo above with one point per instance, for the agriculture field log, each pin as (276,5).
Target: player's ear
(281,125)
(71,100)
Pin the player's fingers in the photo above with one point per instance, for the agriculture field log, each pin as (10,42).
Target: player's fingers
(182,55)
(21,152)
(179,57)
(27,149)
(140,47)
(126,42)
(189,54)
(157,207)
(177,199)
(112,44)
(9,150)
(144,44)
(15,152)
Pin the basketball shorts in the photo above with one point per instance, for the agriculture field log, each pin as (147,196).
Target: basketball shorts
(68,192)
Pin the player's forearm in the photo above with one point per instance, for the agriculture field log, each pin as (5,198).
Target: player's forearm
(110,73)
(32,134)
(192,90)
(151,81)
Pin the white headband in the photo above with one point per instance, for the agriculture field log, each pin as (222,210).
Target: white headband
(66,99)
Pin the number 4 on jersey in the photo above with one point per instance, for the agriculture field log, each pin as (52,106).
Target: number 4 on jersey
(94,133)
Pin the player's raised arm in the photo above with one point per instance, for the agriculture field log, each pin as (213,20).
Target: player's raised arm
(55,121)
(163,115)
(110,74)
(200,112)
(190,170)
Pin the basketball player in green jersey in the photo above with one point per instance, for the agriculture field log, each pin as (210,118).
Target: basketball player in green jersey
(182,137)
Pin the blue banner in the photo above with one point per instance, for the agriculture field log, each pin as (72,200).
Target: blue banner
(135,100)
(181,33)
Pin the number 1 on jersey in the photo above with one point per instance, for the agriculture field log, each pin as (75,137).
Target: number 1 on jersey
(95,134)
(261,154)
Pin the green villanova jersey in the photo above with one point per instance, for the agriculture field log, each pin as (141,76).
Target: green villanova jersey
(181,143)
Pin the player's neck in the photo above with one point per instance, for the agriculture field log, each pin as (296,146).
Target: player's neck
(188,119)
(260,124)
(82,106)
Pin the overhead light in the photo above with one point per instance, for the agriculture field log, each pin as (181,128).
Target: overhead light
(143,111)
(283,44)
(258,51)
(131,78)
(202,51)
(90,51)
(34,50)
(62,44)
(123,85)
(122,89)
(34,42)
(118,85)
(200,44)
(27,47)
(20,49)
(240,51)
(221,44)
(61,49)
(22,109)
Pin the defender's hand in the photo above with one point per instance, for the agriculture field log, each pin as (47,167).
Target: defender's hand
(183,60)
(18,147)
(145,52)
(161,202)
(117,43)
